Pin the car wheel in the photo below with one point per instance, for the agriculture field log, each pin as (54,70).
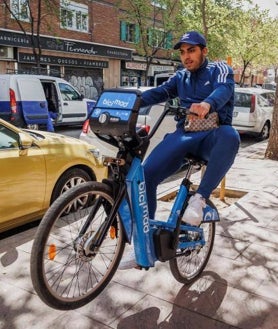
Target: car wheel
(69,179)
(264,134)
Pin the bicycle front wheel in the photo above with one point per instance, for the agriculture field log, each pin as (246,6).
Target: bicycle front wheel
(76,251)
(189,266)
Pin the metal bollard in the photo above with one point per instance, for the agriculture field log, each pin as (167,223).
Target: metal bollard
(222,189)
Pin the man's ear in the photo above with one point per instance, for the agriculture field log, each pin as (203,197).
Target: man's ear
(205,51)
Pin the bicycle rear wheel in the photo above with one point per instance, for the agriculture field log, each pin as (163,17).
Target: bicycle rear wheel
(69,266)
(189,266)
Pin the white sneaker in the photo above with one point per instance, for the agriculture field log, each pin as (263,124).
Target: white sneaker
(128,261)
(193,214)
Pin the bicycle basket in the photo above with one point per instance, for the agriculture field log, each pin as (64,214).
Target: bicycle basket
(115,115)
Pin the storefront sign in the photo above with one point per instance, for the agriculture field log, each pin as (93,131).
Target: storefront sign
(68,46)
(136,66)
(57,60)
(160,68)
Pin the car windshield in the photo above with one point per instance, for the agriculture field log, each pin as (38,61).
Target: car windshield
(8,138)
(35,135)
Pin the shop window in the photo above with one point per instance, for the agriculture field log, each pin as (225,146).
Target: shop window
(20,10)
(130,32)
(74,16)
(159,38)
(130,81)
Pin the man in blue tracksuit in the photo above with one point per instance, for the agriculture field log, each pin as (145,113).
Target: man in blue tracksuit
(204,87)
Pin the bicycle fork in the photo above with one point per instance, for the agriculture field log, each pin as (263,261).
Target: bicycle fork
(95,241)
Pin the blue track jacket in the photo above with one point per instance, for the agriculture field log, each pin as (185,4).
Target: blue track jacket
(213,83)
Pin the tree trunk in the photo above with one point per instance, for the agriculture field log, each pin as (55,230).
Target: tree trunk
(272,147)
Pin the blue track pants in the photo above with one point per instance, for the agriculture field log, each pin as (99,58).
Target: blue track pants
(218,146)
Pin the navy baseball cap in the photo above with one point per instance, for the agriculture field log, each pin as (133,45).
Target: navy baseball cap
(192,38)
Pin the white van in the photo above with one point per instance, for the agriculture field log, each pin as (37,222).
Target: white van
(159,78)
(26,99)
(269,85)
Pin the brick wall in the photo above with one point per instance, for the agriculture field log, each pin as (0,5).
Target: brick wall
(104,25)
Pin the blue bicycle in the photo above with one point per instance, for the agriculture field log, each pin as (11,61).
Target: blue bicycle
(80,240)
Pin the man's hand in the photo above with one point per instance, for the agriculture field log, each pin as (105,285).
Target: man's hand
(200,110)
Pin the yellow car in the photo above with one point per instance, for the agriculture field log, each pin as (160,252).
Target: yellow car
(36,167)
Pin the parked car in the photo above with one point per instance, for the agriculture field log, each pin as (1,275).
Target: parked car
(38,166)
(148,115)
(253,111)
(25,101)
(269,85)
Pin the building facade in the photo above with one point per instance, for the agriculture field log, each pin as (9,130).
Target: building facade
(86,42)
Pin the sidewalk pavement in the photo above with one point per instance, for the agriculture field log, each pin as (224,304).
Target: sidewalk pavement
(238,289)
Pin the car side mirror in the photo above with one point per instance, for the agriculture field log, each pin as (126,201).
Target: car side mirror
(25,141)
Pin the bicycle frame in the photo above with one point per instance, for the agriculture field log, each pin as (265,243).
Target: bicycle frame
(141,229)
(79,242)
(153,239)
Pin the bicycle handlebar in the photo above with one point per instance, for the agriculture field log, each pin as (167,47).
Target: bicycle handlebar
(179,112)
